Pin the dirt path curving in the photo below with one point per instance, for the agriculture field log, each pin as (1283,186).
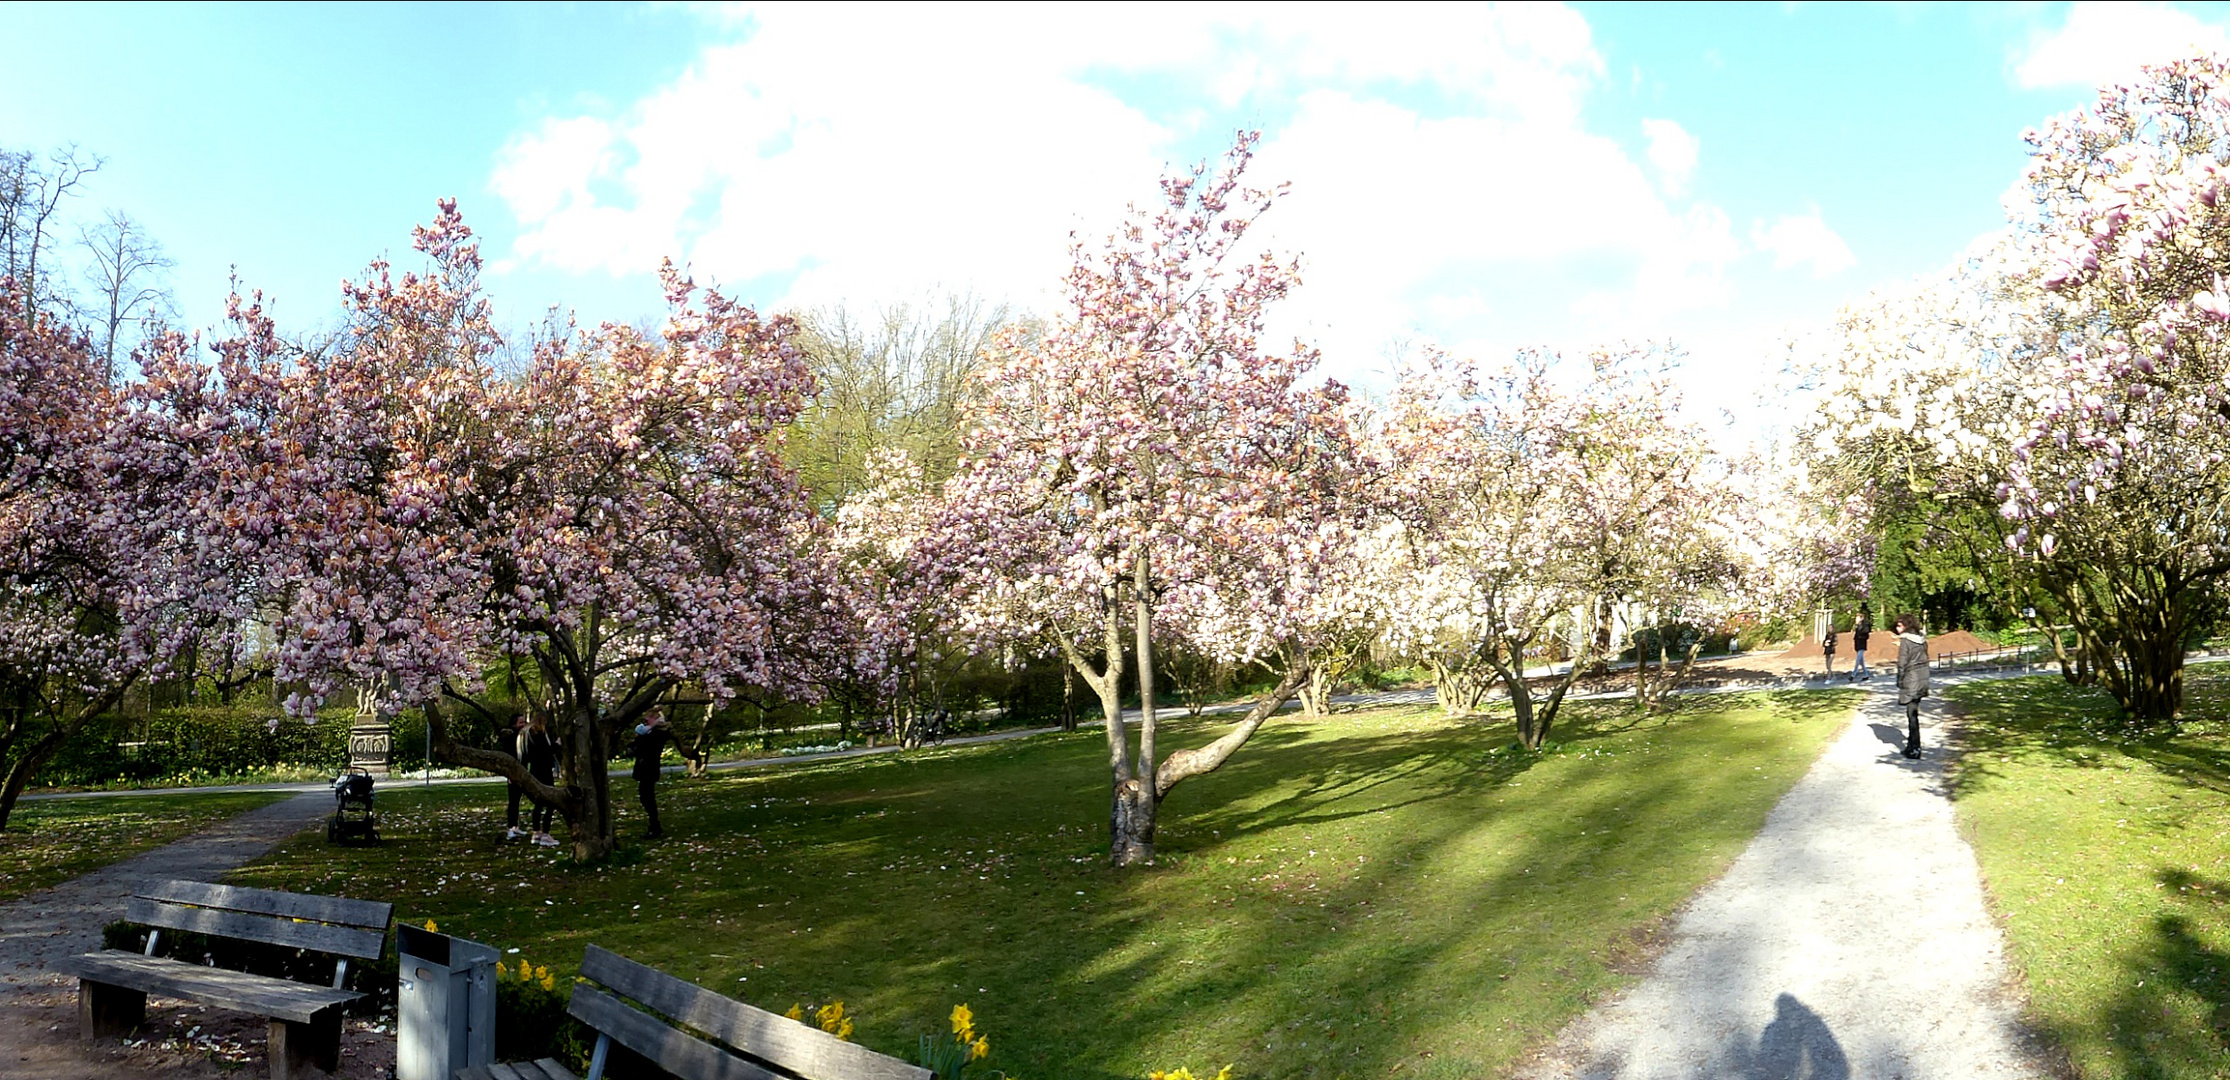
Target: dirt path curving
(1849,940)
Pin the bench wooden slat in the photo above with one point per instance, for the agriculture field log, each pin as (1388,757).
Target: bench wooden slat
(321,937)
(540,1069)
(545,1069)
(787,1044)
(264,996)
(338,910)
(675,1051)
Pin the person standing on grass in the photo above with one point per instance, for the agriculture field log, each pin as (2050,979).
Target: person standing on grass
(540,753)
(1860,631)
(651,737)
(508,743)
(1827,646)
(1912,677)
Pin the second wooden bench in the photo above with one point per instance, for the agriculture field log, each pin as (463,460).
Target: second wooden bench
(662,1018)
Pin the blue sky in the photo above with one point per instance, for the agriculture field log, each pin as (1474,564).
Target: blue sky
(1724,176)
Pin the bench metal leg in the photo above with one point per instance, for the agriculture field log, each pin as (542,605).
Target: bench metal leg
(108,1012)
(300,1051)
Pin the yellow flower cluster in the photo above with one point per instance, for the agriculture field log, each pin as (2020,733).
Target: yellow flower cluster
(1185,1074)
(964,1033)
(528,973)
(829,1018)
(832,1020)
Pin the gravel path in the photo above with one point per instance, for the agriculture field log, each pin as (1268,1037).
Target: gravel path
(66,920)
(1849,940)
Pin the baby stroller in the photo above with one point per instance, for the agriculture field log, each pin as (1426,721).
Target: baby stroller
(353,821)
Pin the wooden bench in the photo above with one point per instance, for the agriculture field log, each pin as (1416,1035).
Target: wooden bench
(305,1019)
(695,1034)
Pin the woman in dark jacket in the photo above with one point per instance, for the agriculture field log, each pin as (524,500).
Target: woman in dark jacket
(651,737)
(1912,677)
(540,753)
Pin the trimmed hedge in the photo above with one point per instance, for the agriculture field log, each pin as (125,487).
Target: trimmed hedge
(197,743)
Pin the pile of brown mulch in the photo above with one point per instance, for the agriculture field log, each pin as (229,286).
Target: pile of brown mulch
(1882,646)
(1957,641)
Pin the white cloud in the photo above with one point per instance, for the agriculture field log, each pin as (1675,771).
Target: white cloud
(1672,151)
(2105,43)
(1803,240)
(826,155)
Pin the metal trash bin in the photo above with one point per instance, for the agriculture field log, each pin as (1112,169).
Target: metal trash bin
(445,1004)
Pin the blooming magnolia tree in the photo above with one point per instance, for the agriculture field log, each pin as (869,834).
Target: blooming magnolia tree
(1146,470)
(891,590)
(617,518)
(1923,393)
(2119,489)
(1670,519)
(1529,507)
(65,560)
(106,573)
(2073,380)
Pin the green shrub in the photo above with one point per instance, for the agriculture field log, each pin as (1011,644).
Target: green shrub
(200,744)
(1677,637)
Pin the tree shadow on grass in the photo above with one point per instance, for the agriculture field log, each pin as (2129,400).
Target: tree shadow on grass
(1374,893)
(2046,718)
(2171,1015)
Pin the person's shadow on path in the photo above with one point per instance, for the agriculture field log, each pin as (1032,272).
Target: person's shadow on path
(1797,1045)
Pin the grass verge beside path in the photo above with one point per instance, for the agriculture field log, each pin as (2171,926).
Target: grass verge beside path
(2105,858)
(1378,893)
(53,840)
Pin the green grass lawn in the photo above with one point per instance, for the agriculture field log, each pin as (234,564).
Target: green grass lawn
(51,840)
(2106,859)
(1378,893)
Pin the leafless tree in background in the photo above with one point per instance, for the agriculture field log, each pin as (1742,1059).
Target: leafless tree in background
(32,188)
(126,280)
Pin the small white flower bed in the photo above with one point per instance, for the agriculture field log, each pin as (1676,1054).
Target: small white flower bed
(793,751)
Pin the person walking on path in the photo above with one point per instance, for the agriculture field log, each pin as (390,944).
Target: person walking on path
(651,737)
(1912,677)
(539,751)
(508,743)
(1827,647)
(1860,632)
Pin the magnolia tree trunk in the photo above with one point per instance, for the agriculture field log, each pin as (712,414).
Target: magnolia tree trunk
(1106,682)
(1131,822)
(1325,675)
(2144,670)
(1138,803)
(1459,690)
(1140,784)
(582,794)
(1651,696)
(25,760)
(1535,717)
(585,773)
(2132,624)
